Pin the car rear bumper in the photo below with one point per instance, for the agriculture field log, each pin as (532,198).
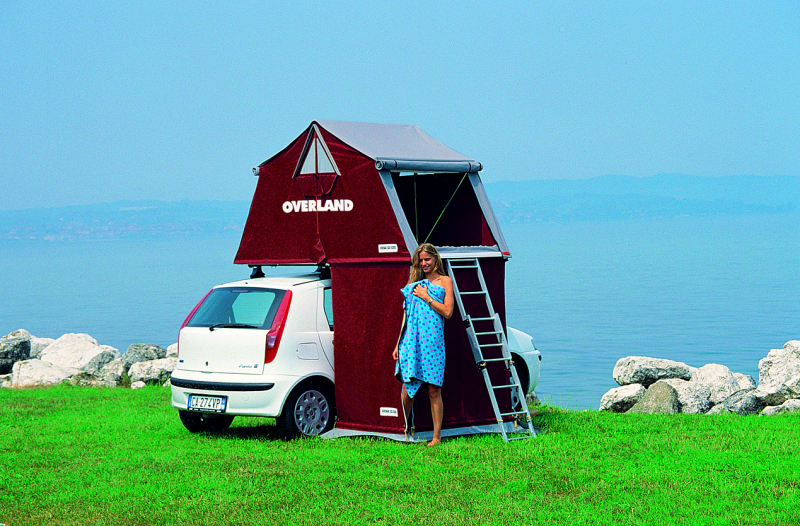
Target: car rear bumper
(263,397)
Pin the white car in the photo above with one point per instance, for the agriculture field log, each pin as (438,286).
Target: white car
(264,347)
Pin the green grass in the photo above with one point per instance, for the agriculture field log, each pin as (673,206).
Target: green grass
(120,457)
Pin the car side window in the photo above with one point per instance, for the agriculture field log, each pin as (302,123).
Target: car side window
(328,303)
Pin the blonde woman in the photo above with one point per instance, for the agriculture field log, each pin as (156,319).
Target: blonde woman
(420,349)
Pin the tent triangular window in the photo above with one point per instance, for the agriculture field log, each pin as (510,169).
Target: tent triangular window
(316,158)
(316,170)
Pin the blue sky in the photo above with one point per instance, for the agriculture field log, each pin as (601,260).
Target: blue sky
(105,101)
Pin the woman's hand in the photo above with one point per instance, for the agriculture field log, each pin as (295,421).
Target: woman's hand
(421,291)
(396,354)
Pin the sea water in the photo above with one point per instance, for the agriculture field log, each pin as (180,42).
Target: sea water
(695,289)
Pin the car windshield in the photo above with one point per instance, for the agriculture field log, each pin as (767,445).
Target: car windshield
(238,306)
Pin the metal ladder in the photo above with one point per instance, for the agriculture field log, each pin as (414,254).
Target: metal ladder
(496,333)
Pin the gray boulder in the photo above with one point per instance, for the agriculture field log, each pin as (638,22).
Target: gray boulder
(157,371)
(13,350)
(5,380)
(743,402)
(745,381)
(659,399)
(37,344)
(620,399)
(647,371)
(789,406)
(172,350)
(779,375)
(99,361)
(719,379)
(693,397)
(113,371)
(142,352)
(36,373)
(74,351)
(717,409)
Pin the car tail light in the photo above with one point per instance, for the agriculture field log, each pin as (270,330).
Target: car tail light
(189,317)
(276,330)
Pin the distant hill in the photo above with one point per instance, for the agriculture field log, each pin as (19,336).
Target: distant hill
(126,219)
(606,198)
(617,197)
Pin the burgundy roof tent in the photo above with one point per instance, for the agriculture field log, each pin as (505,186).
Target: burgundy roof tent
(360,198)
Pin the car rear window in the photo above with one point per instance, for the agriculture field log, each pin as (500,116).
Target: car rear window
(244,305)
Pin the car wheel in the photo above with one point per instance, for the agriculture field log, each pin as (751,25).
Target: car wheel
(309,411)
(199,422)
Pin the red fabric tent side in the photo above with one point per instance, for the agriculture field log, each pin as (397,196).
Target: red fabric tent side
(367,314)
(279,231)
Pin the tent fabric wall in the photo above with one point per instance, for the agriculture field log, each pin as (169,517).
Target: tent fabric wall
(273,236)
(367,322)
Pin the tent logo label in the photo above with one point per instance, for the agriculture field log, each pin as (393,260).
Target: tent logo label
(389,411)
(386,248)
(317,205)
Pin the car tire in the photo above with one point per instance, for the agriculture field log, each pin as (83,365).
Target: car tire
(309,410)
(199,422)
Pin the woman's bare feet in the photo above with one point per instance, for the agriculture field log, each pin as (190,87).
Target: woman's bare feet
(434,442)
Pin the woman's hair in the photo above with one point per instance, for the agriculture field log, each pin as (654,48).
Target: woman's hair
(416,270)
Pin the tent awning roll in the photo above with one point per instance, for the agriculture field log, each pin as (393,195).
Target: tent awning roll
(428,166)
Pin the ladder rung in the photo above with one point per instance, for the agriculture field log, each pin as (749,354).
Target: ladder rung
(481,319)
(514,413)
(495,360)
(472,292)
(503,386)
(463,266)
(523,437)
(488,333)
(490,345)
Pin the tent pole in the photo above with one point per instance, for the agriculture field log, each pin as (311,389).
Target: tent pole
(416,219)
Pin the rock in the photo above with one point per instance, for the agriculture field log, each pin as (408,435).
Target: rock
(138,385)
(717,409)
(5,380)
(745,381)
(96,364)
(36,373)
(113,371)
(531,399)
(779,374)
(692,396)
(13,350)
(37,344)
(153,371)
(74,350)
(86,379)
(142,352)
(719,379)
(743,402)
(789,406)
(172,350)
(647,371)
(620,399)
(19,333)
(660,399)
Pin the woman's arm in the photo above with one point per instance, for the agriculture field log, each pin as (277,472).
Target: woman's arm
(396,352)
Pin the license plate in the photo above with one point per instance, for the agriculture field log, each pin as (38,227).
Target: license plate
(214,404)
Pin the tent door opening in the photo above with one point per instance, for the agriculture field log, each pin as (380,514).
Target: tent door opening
(442,209)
